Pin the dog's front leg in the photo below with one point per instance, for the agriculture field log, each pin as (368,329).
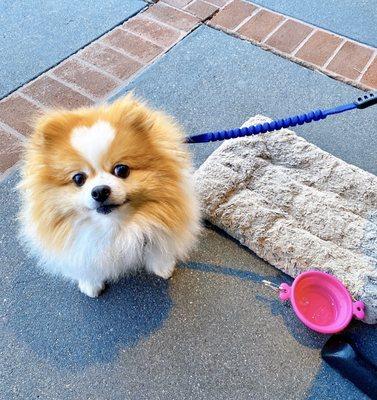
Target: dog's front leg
(159,259)
(91,289)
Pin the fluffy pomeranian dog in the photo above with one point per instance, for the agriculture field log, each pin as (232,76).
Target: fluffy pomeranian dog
(106,190)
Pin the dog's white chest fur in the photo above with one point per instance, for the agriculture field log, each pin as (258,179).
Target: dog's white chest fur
(101,251)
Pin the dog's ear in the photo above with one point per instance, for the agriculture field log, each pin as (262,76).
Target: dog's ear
(132,113)
(55,124)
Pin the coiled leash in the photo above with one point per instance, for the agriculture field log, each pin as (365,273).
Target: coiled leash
(364,101)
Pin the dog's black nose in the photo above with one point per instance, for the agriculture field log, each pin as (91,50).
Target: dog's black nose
(101,193)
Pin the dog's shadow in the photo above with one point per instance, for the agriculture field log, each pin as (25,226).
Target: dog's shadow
(71,330)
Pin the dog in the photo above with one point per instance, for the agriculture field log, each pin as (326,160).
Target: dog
(107,190)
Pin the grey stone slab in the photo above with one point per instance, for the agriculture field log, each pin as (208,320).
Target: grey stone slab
(212,332)
(353,19)
(37,35)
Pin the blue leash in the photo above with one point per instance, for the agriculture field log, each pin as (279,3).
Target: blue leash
(362,102)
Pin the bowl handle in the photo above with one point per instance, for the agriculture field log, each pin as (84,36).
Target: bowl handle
(358,309)
(285,292)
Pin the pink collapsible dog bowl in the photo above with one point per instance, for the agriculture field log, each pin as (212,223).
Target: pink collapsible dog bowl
(321,302)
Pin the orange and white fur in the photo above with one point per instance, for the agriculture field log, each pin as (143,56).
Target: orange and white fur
(106,190)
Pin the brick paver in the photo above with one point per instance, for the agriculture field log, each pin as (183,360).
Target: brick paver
(157,33)
(10,150)
(109,62)
(233,14)
(260,25)
(85,77)
(218,3)
(289,36)
(370,76)
(134,45)
(173,17)
(350,60)
(18,113)
(201,9)
(318,49)
(177,3)
(54,94)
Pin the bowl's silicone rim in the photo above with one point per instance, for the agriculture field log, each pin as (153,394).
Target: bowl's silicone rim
(333,328)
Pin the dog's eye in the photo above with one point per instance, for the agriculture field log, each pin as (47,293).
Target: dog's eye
(121,171)
(79,178)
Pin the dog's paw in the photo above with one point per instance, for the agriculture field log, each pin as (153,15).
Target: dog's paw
(91,290)
(160,262)
(163,271)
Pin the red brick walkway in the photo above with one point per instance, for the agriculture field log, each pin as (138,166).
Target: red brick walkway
(107,64)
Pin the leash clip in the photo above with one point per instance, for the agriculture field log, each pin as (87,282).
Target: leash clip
(271,285)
